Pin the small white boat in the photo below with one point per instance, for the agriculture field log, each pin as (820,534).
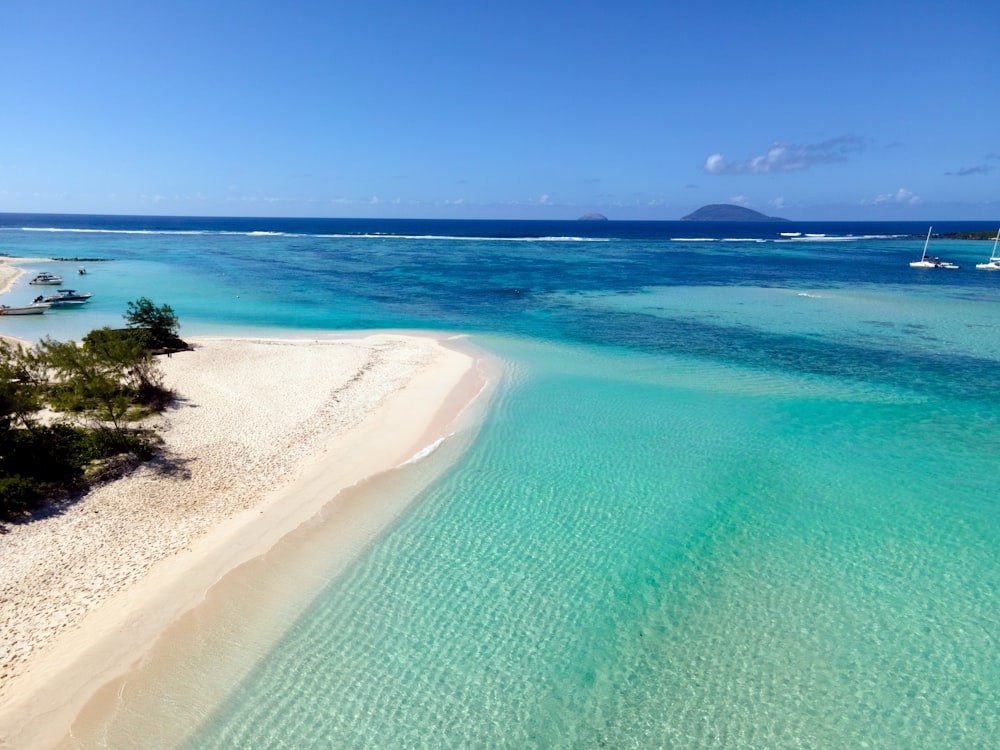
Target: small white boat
(65,298)
(993,264)
(926,262)
(36,308)
(48,279)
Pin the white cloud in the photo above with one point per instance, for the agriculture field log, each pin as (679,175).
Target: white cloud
(545,200)
(778,203)
(740,200)
(715,164)
(900,196)
(787,157)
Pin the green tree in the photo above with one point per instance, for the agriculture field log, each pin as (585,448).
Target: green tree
(22,375)
(159,323)
(127,357)
(21,380)
(104,378)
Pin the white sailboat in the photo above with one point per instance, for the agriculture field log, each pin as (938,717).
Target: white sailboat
(926,262)
(993,264)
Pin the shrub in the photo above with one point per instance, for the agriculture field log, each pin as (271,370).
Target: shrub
(18,495)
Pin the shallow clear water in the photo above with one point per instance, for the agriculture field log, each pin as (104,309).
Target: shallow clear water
(689,565)
(731,493)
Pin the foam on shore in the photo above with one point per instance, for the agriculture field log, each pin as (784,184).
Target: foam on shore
(267,434)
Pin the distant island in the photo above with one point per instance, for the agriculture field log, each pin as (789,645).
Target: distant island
(593,217)
(728,212)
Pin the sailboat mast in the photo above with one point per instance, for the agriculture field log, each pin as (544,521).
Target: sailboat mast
(926,242)
(993,255)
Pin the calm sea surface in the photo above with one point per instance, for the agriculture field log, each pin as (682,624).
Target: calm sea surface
(738,489)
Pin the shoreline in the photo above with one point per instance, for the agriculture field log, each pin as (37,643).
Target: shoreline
(9,274)
(266,435)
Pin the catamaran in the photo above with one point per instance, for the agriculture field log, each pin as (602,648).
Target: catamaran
(926,262)
(993,264)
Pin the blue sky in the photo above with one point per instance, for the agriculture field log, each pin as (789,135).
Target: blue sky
(853,110)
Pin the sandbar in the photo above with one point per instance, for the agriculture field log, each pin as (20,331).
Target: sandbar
(264,435)
(9,273)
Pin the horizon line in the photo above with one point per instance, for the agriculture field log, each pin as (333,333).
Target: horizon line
(580,219)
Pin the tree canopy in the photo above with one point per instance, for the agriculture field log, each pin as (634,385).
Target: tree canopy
(158,323)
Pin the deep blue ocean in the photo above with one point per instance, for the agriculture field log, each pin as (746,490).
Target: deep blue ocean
(739,486)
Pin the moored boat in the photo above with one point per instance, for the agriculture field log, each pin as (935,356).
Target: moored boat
(35,308)
(993,264)
(65,298)
(46,279)
(926,262)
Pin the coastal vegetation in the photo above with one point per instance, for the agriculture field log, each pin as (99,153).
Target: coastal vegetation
(154,327)
(67,409)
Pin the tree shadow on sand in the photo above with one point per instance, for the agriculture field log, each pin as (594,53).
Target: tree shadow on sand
(168,464)
(163,463)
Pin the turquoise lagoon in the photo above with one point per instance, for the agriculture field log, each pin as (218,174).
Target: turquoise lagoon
(735,490)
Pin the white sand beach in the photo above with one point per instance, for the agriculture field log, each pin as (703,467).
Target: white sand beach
(264,435)
(9,273)
(10,270)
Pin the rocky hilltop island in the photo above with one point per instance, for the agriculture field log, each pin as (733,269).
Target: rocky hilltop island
(593,217)
(728,212)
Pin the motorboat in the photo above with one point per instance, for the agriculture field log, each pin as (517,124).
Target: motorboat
(47,279)
(926,262)
(993,264)
(35,308)
(65,298)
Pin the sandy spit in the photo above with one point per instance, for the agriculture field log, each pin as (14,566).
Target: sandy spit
(264,434)
(9,272)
